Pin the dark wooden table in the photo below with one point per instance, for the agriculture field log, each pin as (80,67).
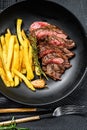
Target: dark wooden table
(72,122)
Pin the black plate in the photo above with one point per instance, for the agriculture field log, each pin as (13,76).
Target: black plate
(31,11)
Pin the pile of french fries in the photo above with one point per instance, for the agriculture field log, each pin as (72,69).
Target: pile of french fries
(16,59)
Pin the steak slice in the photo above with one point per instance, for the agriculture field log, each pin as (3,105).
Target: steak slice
(37,25)
(41,33)
(44,25)
(46,48)
(53,71)
(57,41)
(56,58)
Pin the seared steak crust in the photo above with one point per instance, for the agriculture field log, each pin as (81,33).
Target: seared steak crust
(54,48)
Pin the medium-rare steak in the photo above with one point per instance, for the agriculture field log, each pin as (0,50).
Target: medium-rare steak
(54,48)
(41,33)
(37,25)
(46,47)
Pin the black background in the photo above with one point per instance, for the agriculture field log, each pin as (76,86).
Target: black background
(71,122)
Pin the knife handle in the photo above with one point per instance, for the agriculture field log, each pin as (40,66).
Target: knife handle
(26,119)
(20,120)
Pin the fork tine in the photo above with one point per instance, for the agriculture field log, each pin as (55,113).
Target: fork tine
(70,109)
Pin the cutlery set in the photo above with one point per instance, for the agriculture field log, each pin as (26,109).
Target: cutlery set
(46,113)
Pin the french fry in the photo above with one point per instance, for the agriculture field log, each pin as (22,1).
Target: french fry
(2,71)
(8,31)
(10,51)
(15,63)
(10,78)
(30,48)
(19,23)
(9,59)
(4,48)
(30,74)
(4,59)
(3,75)
(7,37)
(24,35)
(1,55)
(27,82)
(22,57)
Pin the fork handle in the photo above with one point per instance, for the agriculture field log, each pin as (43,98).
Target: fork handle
(20,110)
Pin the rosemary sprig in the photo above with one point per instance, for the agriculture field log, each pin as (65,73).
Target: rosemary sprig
(12,126)
(33,41)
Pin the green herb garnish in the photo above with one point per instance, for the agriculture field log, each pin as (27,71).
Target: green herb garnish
(12,126)
(38,69)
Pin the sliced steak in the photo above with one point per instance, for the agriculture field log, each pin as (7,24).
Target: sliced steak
(54,48)
(53,71)
(55,61)
(45,48)
(37,25)
(57,41)
(41,33)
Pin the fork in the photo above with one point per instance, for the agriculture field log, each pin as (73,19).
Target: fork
(70,109)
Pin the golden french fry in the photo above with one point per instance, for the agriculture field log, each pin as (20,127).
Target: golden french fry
(4,49)
(8,31)
(16,65)
(1,55)
(16,80)
(30,74)
(23,71)
(4,77)
(3,74)
(2,38)
(30,48)
(7,61)
(22,67)
(9,76)
(7,37)
(10,51)
(15,62)
(4,62)
(27,82)
(19,23)
(24,35)
(22,56)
